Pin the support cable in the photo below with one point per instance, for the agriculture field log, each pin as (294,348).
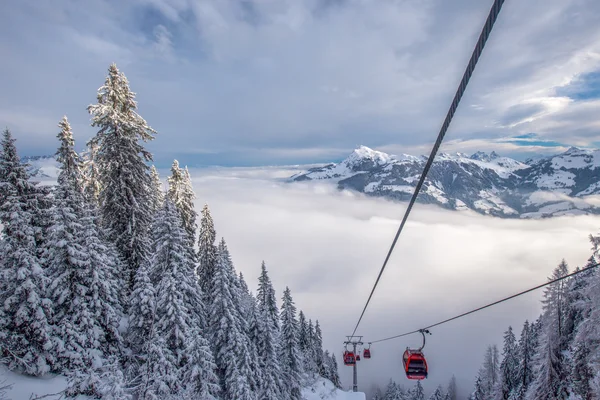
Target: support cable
(483,37)
(488,305)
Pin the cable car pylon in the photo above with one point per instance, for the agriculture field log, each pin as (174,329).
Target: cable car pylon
(350,358)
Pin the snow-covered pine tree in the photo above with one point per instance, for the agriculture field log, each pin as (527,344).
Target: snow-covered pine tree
(335,376)
(266,298)
(526,354)
(142,311)
(479,392)
(25,335)
(418,393)
(266,346)
(91,175)
(178,298)
(83,286)
(201,381)
(304,343)
(489,371)
(289,353)
(438,394)
(125,185)
(228,336)
(159,375)
(311,363)
(189,214)
(207,254)
(585,369)
(178,295)
(69,160)
(318,350)
(452,394)
(158,196)
(509,367)
(182,195)
(551,375)
(14,180)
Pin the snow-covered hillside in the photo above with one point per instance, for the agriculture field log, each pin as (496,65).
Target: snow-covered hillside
(324,389)
(53,386)
(568,183)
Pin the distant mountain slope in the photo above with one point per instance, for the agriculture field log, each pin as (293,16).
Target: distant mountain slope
(42,167)
(485,183)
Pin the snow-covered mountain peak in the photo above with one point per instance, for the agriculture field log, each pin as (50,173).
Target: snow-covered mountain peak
(364,153)
(483,156)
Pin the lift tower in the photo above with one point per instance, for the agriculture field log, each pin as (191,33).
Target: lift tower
(354,341)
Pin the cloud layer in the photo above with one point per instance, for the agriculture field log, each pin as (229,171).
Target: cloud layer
(265,81)
(328,247)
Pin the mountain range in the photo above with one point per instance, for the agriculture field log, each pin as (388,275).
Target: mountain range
(562,184)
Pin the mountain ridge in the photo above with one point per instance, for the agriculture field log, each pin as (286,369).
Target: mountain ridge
(487,183)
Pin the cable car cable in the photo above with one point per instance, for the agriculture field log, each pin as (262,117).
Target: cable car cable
(485,33)
(489,305)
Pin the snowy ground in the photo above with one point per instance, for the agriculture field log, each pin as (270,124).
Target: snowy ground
(324,389)
(25,388)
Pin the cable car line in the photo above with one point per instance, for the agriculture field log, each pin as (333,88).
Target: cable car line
(483,37)
(487,305)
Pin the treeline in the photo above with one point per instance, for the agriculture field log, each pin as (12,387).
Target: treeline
(101,279)
(557,356)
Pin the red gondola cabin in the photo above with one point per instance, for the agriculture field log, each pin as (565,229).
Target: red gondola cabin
(415,364)
(367,353)
(349,358)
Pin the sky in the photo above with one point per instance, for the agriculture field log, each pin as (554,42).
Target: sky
(328,246)
(267,82)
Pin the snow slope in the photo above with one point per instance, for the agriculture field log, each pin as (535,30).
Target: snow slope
(324,389)
(25,387)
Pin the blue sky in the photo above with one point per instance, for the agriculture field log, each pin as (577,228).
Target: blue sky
(255,82)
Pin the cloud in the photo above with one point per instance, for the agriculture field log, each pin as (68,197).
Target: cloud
(328,246)
(279,75)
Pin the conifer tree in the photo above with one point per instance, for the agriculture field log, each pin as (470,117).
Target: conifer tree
(526,353)
(142,311)
(585,367)
(335,376)
(81,273)
(178,295)
(418,392)
(158,196)
(550,381)
(266,298)
(438,394)
(265,338)
(91,174)
(452,394)
(509,367)
(159,375)
(479,393)
(125,185)
(227,331)
(25,336)
(291,364)
(318,349)
(207,254)
(304,343)
(182,195)
(199,374)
